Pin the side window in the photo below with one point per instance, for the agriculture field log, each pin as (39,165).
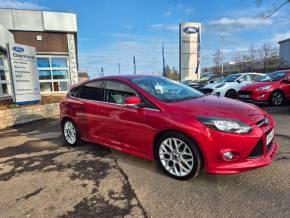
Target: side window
(92,91)
(117,92)
(254,76)
(75,92)
(245,78)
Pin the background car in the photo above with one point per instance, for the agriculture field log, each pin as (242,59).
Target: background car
(211,78)
(156,118)
(230,85)
(273,88)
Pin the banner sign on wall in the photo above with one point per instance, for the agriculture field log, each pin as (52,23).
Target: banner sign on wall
(24,74)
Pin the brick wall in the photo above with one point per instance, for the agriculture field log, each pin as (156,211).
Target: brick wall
(11,117)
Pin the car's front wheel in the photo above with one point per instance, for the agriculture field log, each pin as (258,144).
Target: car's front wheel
(231,93)
(178,156)
(70,133)
(277,98)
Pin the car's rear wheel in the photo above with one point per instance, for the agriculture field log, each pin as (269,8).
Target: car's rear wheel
(231,93)
(70,133)
(277,98)
(178,156)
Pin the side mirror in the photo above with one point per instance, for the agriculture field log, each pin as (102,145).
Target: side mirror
(211,81)
(132,101)
(239,81)
(286,80)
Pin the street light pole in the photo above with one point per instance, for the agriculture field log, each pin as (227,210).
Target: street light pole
(119,68)
(222,55)
(134,63)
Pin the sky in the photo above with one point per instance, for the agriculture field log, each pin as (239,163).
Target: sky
(111,32)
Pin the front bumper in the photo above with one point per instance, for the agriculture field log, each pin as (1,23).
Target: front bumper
(243,146)
(254,96)
(248,164)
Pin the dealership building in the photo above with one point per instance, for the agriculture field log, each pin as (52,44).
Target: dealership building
(54,37)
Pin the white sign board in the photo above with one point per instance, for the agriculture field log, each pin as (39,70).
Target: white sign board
(24,74)
(189,50)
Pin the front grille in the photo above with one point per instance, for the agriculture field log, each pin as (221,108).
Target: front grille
(207,91)
(264,121)
(244,92)
(258,150)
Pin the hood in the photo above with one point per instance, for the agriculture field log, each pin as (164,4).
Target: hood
(254,86)
(213,106)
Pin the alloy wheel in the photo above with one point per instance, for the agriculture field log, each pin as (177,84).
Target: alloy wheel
(277,98)
(70,133)
(176,157)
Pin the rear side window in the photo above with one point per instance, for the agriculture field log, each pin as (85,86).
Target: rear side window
(117,92)
(75,92)
(92,91)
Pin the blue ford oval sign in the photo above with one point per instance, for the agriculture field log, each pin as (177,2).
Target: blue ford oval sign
(18,49)
(190,29)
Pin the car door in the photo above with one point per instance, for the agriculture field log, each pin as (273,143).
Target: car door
(286,86)
(242,81)
(91,95)
(121,127)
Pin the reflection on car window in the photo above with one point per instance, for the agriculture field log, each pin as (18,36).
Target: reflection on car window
(117,92)
(92,91)
(274,76)
(231,78)
(165,89)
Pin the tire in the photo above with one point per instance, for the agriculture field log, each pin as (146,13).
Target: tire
(71,133)
(277,98)
(182,160)
(231,93)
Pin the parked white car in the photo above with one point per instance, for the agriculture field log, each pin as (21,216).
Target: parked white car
(230,85)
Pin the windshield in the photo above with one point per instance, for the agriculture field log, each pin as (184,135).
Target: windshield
(165,89)
(231,78)
(206,78)
(275,76)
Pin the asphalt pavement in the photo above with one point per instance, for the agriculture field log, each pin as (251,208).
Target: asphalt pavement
(40,177)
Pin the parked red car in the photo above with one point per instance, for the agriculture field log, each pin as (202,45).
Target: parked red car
(273,88)
(157,118)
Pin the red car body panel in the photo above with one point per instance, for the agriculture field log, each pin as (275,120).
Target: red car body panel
(264,96)
(134,130)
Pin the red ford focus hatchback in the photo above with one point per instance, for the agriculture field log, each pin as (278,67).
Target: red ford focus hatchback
(273,88)
(157,118)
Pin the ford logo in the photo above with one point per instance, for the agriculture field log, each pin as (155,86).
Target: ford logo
(190,29)
(18,49)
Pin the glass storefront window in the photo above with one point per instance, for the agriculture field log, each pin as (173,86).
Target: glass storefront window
(1,62)
(59,62)
(44,74)
(2,74)
(45,87)
(63,86)
(59,74)
(43,63)
(53,73)
(4,89)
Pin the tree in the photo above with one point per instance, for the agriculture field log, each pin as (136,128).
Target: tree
(217,60)
(172,73)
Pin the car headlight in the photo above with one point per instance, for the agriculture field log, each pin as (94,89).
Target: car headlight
(263,88)
(220,85)
(226,125)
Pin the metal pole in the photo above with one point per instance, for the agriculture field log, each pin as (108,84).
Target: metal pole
(222,55)
(163,61)
(119,68)
(134,62)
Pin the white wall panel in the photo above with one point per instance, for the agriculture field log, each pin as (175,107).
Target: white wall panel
(28,20)
(63,22)
(6,18)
